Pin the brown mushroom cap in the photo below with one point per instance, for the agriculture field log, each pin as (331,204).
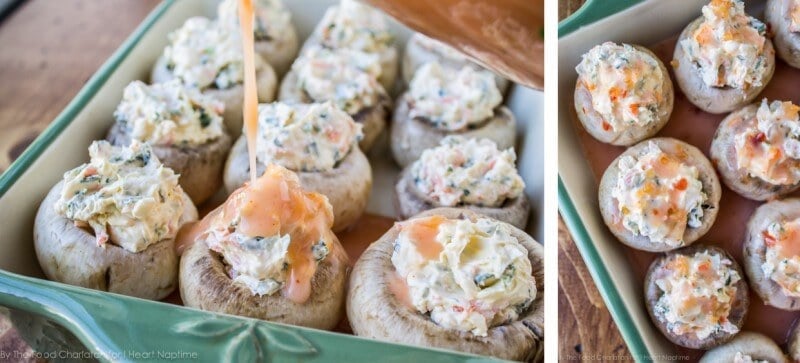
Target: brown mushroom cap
(739,305)
(755,251)
(723,156)
(714,99)
(757,346)
(411,136)
(347,186)
(410,201)
(204,284)
(374,118)
(200,167)
(71,255)
(375,312)
(232,98)
(685,153)
(631,134)
(787,44)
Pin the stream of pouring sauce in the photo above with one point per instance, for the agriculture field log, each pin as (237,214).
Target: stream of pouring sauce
(274,203)
(506,36)
(690,124)
(250,103)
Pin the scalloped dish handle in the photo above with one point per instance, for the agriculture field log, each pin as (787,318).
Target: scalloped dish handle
(103,324)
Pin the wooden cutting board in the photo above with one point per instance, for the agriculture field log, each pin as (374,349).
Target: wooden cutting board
(49,49)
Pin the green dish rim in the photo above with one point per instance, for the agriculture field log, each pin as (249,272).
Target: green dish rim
(592,11)
(102,321)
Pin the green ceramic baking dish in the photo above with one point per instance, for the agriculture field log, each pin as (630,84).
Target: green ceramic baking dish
(75,323)
(641,22)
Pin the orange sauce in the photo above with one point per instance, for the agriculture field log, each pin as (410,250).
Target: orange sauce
(690,124)
(276,204)
(399,287)
(368,229)
(186,236)
(250,91)
(423,233)
(506,36)
(790,243)
(355,240)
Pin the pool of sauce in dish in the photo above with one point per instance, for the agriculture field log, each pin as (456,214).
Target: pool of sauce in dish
(503,35)
(355,240)
(690,124)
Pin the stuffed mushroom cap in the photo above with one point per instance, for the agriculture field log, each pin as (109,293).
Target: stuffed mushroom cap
(219,74)
(232,98)
(205,284)
(693,176)
(274,33)
(421,49)
(200,167)
(357,27)
(786,30)
(70,254)
(410,136)
(694,262)
(267,253)
(464,173)
(441,102)
(185,130)
(91,232)
(320,142)
(722,83)
(756,346)
(611,107)
(375,306)
(320,75)
(745,146)
(768,248)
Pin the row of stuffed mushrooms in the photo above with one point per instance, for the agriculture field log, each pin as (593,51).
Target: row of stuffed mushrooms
(662,194)
(126,221)
(722,61)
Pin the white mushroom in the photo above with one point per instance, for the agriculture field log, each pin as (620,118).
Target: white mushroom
(374,311)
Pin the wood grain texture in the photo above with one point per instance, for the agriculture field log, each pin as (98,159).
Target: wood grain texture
(48,50)
(586,331)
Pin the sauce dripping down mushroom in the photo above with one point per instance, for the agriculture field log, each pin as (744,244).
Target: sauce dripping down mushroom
(423,233)
(275,203)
